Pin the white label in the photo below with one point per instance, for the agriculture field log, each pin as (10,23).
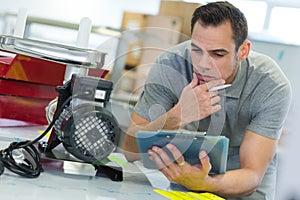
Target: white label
(100,94)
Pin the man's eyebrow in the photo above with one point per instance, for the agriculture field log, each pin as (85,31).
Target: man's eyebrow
(222,51)
(194,45)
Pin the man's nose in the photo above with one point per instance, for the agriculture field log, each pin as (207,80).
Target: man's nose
(205,63)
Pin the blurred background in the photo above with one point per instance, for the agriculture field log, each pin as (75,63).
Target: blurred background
(121,29)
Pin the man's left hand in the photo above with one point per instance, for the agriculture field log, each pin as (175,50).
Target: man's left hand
(193,177)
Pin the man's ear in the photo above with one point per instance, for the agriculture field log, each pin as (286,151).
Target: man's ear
(244,51)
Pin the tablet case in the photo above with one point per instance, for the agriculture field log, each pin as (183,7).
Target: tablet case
(189,143)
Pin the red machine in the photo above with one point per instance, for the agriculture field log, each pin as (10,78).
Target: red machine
(82,121)
(28,82)
(27,85)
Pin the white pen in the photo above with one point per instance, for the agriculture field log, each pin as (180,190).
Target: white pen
(219,87)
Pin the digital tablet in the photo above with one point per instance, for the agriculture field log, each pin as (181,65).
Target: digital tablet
(189,143)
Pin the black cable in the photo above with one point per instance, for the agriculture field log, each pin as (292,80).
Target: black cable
(1,167)
(30,166)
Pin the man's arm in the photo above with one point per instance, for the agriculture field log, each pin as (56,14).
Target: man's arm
(256,152)
(137,123)
(195,103)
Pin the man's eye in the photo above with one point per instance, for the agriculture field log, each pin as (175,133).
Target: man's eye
(218,55)
(196,50)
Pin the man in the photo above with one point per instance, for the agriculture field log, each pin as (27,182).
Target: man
(177,95)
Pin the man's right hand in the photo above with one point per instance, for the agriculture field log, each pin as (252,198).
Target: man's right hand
(196,102)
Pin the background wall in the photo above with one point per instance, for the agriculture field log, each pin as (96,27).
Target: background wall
(287,56)
(102,12)
(109,13)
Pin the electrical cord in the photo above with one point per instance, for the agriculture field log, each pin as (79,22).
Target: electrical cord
(29,165)
(1,167)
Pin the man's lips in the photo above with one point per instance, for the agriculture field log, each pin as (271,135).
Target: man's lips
(203,78)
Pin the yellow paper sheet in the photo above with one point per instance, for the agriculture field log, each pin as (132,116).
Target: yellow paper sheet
(176,195)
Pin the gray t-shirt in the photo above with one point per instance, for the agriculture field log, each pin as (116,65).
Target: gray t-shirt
(258,100)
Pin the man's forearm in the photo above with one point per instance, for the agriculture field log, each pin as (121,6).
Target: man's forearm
(169,120)
(235,183)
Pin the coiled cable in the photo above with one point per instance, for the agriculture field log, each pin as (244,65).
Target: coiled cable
(22,157)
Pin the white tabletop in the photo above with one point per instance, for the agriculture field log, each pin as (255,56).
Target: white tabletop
(70,180)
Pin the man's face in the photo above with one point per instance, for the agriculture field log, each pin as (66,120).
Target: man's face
(213,53)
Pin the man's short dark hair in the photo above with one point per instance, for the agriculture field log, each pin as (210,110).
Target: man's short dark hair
(216,13)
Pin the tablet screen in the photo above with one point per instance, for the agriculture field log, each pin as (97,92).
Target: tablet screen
(189,144)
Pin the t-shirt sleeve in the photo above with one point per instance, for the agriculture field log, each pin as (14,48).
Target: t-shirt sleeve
(270,111)
(158,95)
(164,84)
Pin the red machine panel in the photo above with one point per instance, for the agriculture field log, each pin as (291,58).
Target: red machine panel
(27,85)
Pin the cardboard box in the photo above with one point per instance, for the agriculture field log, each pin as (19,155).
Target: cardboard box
(133,21)
(148,32)
(132,24)
(180,9)
(162,32)
(147,36)
(153,34)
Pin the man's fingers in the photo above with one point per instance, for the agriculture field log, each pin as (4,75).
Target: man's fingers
(156,158)
(214,83)
(215,100)
(167,161)
(159,163)
(205,161)
(216,108)
(195,81)
(176,154)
